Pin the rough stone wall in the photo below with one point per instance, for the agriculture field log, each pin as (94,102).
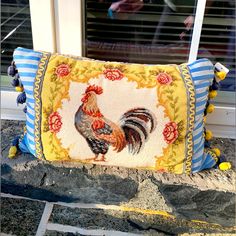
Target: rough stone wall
(207,196)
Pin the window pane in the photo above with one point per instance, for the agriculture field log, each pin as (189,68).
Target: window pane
(148,31)
(218,38)
(15,32)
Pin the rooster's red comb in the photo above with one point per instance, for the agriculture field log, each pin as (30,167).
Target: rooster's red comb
(94,88)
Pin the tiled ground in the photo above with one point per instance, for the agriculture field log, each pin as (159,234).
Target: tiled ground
(21,216)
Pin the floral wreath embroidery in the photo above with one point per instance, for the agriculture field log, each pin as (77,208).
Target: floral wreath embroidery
(164,78)
(170,132)
(54,122)
(62,70)
(113,74)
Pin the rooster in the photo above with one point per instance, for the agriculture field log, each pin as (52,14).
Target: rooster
(132,131)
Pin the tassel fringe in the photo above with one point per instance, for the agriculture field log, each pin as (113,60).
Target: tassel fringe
(14,148)
(21,98)
(220,74)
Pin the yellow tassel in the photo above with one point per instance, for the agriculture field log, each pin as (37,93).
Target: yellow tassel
(19,89)
(12,152)
(225,166)
(208,135)
(204,119)
(216,151)
(210,108)
(221,75)
(213,94)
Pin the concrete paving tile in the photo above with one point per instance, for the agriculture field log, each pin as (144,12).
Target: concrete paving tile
(55,233)
(130,221)
(20,216)
(91,218)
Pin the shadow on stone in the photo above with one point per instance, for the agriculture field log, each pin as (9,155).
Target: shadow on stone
(34,193)
(129,221)
(209,205)
(46,182)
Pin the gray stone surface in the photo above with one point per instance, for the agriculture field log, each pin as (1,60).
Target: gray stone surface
(20,217)
(209,205)
(129,221)
(55,233)
(227,148)
(208,196)
(149,196)
(91,219)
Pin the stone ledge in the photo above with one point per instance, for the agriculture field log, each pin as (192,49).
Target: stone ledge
(206,196)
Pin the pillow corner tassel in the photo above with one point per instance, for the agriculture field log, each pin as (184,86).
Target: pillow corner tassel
(16,82)
(21,99)
(220,73)
(13,150)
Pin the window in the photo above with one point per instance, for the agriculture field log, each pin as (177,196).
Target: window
(218,38)
(149,31)
(218,43)
(15,31)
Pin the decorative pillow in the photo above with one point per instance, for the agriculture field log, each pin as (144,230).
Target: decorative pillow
(118,114)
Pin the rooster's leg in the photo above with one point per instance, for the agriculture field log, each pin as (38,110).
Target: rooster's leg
(96,158)
(93,158)
(103,158)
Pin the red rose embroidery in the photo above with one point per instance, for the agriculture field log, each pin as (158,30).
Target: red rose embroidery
(54,122)
(164,78)
(63,70)
(113,74)
(170,132)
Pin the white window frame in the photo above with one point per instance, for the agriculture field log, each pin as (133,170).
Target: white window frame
(57,27)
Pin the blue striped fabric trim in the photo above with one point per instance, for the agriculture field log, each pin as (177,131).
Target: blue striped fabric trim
(26,61)
(207,161)
(203,85)
(201,95)
(27,57)
(203,77)
(29,83)
(28,66)
(27,74)
(202,72)
(202,68)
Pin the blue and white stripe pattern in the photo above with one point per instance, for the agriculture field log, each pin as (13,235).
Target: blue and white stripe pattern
(27,61)
(202,73)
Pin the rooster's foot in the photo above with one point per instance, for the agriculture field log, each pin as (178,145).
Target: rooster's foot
(92,159)
(102,159)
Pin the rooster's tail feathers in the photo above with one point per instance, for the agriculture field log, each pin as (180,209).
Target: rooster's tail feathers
(137,125)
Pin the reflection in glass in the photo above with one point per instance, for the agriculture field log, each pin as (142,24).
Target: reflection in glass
(218,38)
(146,31)
(15,29)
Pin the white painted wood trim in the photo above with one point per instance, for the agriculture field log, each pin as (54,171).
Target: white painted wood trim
(42,228)
(69,26)
(83,231)
(222,115)
(197,29)
(222,131)
(9,108)
(43,26)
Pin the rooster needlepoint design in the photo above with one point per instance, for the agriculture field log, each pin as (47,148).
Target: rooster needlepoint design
(132,131)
